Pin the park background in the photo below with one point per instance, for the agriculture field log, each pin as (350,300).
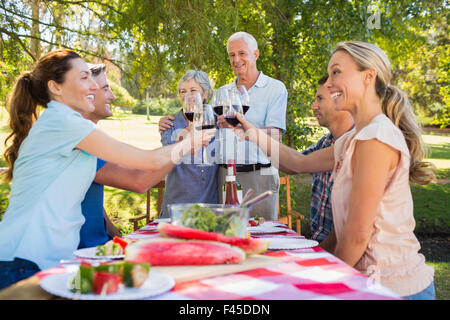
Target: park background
(148,45)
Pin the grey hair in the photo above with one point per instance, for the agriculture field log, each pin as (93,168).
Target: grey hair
(96,69)
(246,37)
(199,76)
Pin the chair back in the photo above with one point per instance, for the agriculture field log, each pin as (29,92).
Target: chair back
(161,187)
(285,181)
(290,213)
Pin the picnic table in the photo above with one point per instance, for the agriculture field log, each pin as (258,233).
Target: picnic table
(300,274)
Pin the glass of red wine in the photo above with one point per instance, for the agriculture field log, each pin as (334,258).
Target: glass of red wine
(204,120)
(220,99)
(233,108)
(212,102)
(245,98)
(192,103)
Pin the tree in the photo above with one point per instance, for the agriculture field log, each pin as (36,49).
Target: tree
(34,32)
(155,42)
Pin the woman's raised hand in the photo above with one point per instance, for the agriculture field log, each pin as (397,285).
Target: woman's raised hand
(246,130)
(222,123)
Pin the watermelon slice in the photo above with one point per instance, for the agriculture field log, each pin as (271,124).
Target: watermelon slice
(105,282)
(173,252)
(249,245)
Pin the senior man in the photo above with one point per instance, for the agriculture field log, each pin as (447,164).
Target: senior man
(268,100)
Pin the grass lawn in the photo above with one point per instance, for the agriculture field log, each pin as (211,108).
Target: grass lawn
(441,279)
(431,202)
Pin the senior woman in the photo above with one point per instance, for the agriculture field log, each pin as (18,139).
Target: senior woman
(188,181)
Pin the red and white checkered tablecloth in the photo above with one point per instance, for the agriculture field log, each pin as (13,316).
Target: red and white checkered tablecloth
(303,274)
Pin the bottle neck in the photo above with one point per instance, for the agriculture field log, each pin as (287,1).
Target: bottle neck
(230,171)
(231,168)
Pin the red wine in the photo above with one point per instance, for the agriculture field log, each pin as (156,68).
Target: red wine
(205,127)
(189,116)
(245,108)
(232,120)
(218,110)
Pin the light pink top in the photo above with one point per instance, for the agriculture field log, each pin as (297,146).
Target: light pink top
(392,253)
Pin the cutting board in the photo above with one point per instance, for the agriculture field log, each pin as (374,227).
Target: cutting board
(189,273)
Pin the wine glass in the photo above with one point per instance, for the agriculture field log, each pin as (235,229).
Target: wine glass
(204,120)
(212,102)
(192,103)
(245,98)
(233,108)
(230,112)
(221,98)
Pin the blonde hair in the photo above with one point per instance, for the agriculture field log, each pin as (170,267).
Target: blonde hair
(395,105)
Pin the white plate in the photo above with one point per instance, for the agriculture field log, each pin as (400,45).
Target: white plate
(266,229)
(270,223)
(149,228)
(137,236)
(156,283)
(288,243)
(273,224)
(162,220)
(89,253)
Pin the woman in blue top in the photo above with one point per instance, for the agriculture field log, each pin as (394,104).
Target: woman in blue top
(52,162)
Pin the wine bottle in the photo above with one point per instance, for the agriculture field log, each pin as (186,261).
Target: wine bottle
(231,189)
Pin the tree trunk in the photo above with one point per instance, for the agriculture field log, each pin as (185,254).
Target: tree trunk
(1,47)
(59,21)
(35,49)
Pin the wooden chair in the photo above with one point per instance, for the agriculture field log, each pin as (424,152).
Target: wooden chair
(160,186)
(290,213)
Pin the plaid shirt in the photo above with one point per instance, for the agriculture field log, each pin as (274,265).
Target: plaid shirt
(321,215)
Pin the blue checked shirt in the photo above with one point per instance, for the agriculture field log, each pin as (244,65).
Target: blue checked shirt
(321,215)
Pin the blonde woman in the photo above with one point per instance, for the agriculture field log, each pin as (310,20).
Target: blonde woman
(373,165)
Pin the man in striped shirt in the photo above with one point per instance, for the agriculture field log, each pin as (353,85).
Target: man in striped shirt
(338,123)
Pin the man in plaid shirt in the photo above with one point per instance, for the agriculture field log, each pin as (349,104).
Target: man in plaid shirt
(338,123)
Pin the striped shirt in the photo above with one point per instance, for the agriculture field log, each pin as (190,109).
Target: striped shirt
(321,216)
